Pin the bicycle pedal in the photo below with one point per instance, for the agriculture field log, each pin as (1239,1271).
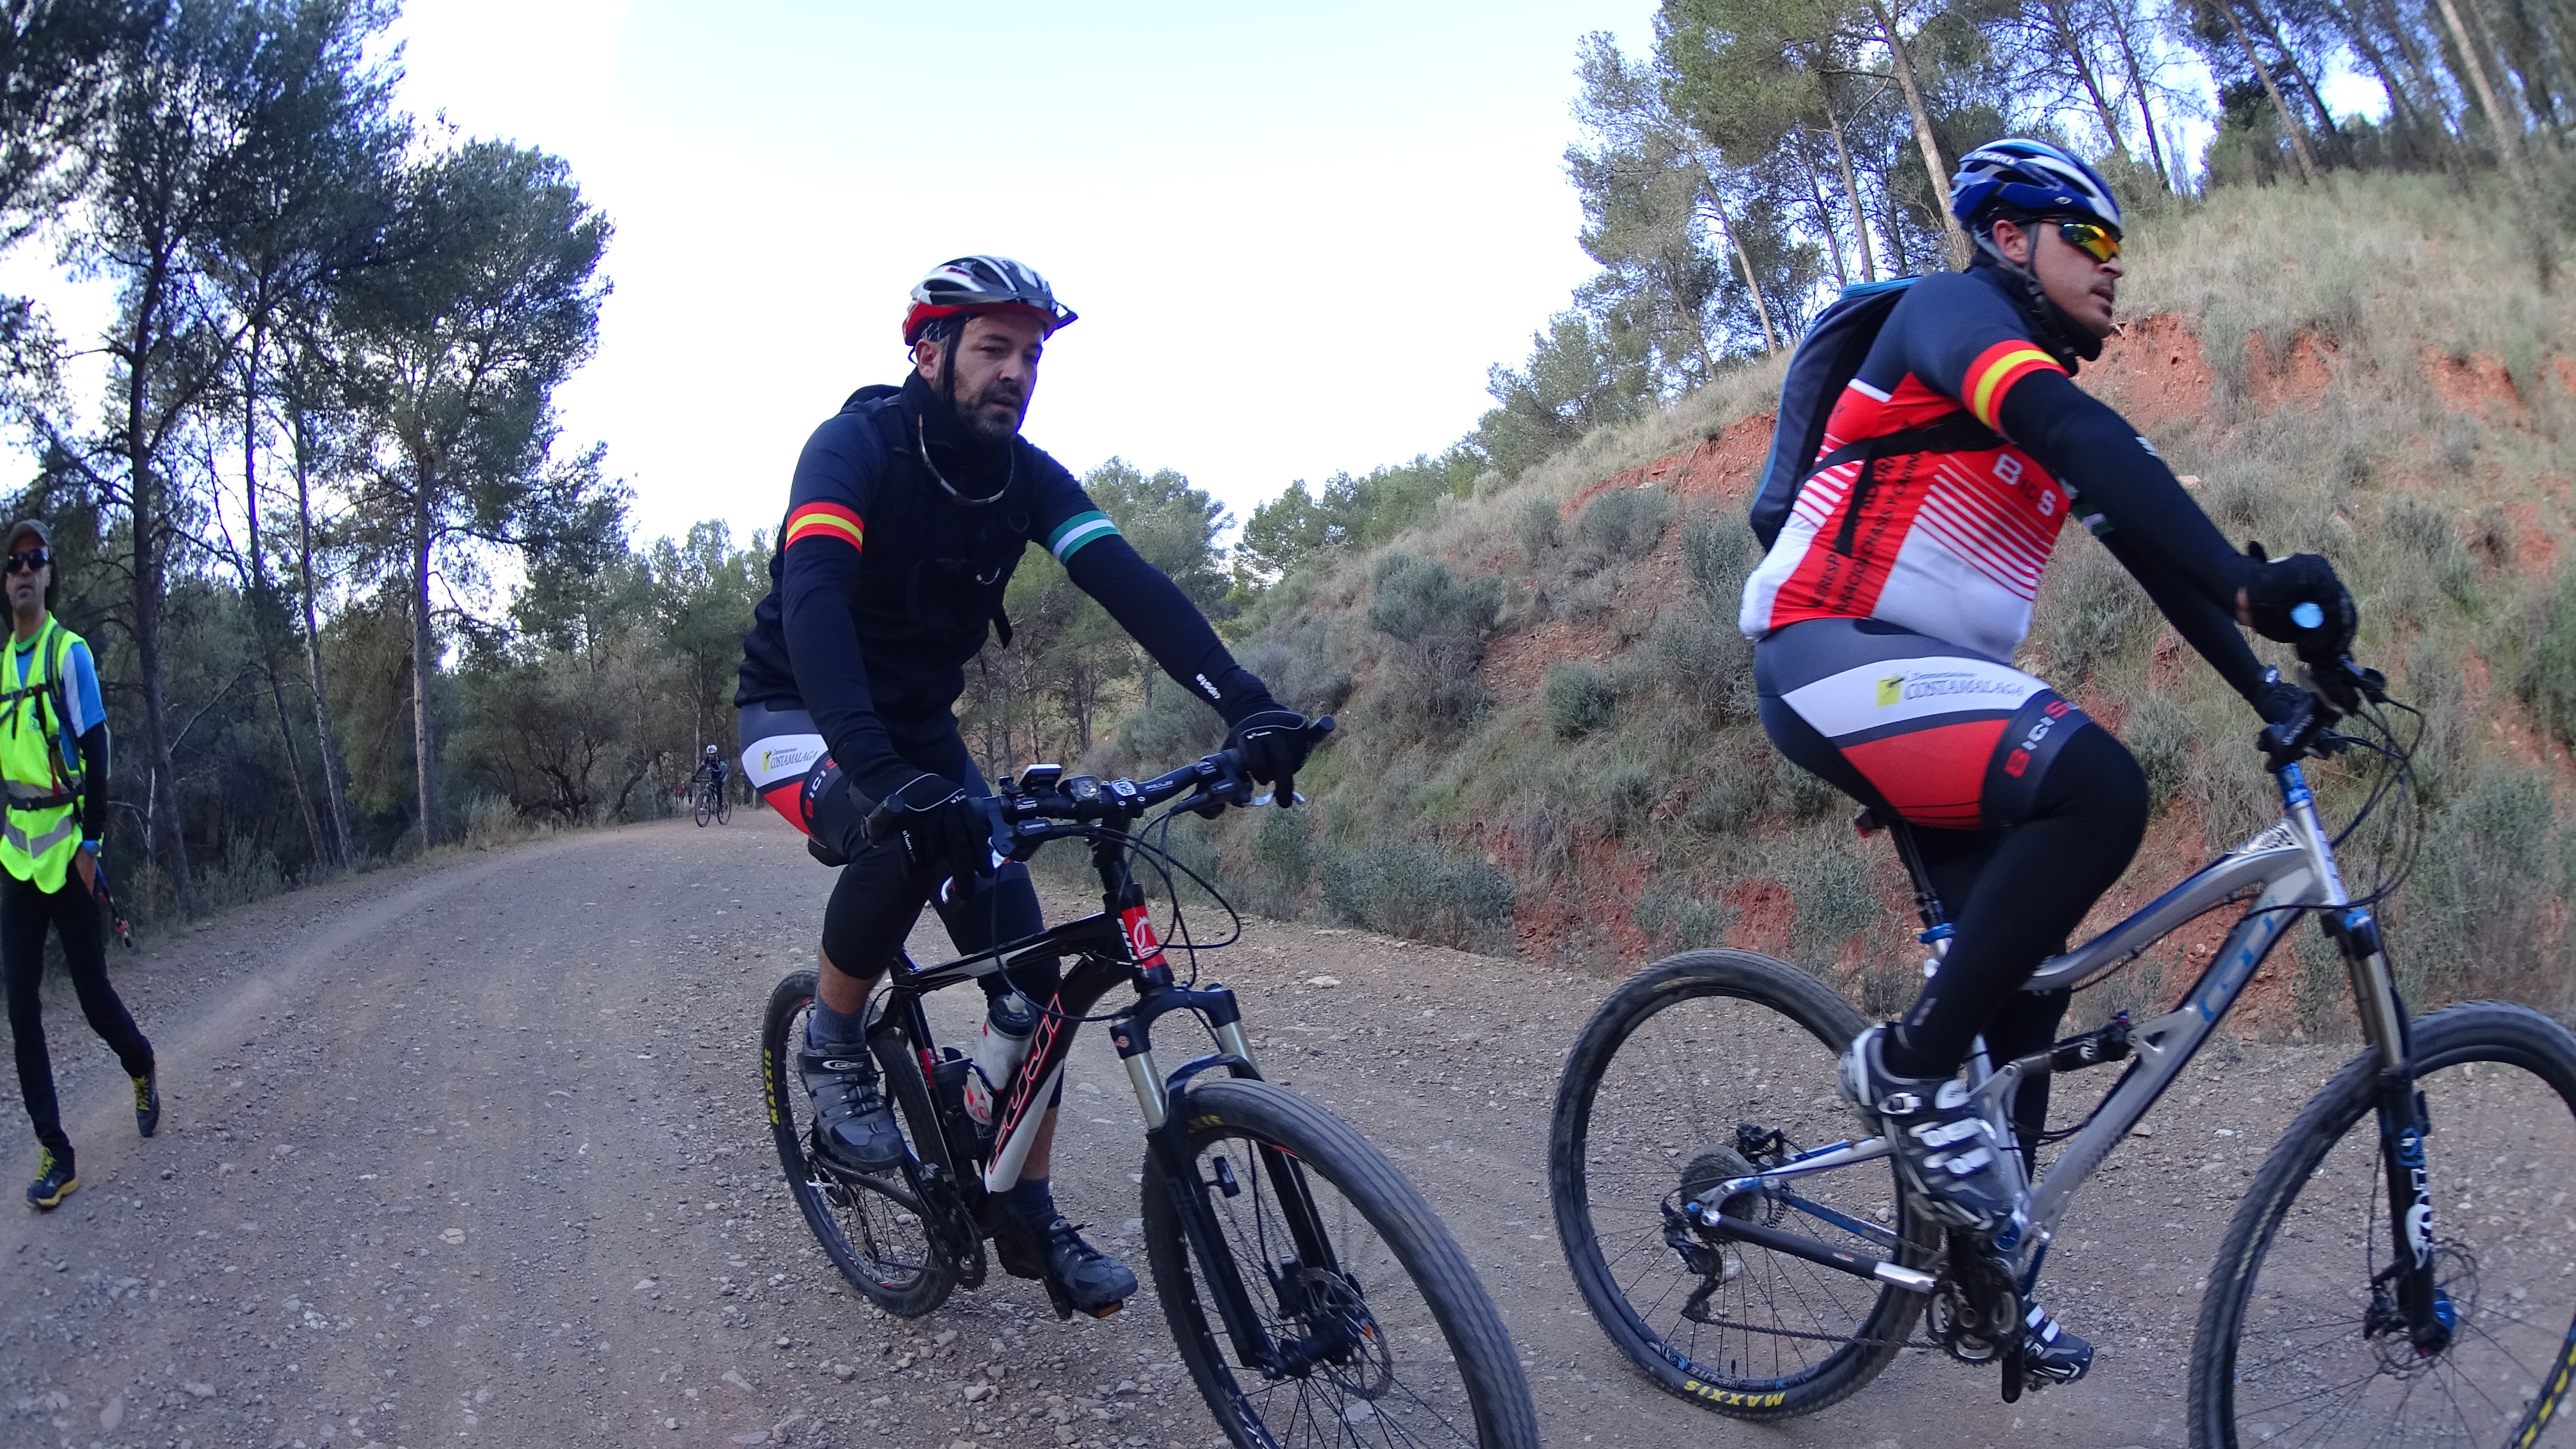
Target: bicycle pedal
(1065,1307)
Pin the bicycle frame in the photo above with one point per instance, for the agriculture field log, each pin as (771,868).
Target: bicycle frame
(2291,869)
(1119,945)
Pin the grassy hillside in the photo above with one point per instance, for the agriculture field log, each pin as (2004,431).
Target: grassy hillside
(1548,740)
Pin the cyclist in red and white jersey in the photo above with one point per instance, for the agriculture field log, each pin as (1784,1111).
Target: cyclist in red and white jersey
(1887,611)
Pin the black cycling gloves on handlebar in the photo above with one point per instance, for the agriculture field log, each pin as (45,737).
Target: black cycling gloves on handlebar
(939,828)
(2299,601)
(1274,743)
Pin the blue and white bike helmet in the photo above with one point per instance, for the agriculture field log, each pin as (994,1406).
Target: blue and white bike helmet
(2032,177)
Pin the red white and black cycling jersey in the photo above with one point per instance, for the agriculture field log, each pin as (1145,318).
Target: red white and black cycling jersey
(1931,519)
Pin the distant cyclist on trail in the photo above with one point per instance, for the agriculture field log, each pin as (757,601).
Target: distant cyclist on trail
(909,510)
(712,770)
(1898,587)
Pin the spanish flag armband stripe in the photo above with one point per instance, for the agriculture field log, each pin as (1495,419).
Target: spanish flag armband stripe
(824,520)
(1995,371)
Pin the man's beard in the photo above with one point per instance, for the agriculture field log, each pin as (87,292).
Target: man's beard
(988,425)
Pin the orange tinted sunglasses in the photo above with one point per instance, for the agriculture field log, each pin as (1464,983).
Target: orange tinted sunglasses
(2099,242)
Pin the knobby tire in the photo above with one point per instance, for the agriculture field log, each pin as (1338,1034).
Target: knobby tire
(908,1281)
(2281,1356)
(1263,1131)
(1725,1037)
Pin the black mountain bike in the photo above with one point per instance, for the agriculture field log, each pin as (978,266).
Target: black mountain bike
(1312,1291)
(713,803)
(2402,1271)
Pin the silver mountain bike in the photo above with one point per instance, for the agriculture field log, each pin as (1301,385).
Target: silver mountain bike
(2402,1271)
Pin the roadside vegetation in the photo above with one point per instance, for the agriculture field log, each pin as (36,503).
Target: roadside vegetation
(1547,707)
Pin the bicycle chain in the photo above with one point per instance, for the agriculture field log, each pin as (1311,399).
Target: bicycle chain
(1822,1337)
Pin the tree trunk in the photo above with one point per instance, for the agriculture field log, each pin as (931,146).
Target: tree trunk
(2063,24)
(1743,263)
(1938,169)
(2298,139)
(161,787)
(1824,213)
(263,600)
(2401,106)
(1851,193)
(2316,102)
(2508,141)
(424,664)
(322,744)
(2419,76)
(2138,87)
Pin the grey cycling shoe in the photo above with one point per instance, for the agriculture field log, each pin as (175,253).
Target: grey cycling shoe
(2050,1354)
(1079,1277)
(1948,1151)
(852,1122)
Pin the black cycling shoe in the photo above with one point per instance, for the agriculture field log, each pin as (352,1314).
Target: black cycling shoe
(851,1118)
(1945,1147)
(54,1181)
(2050,1354)
(1079,1277)
(147,1102)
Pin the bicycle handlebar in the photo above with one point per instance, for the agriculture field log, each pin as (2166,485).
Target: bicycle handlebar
(1025,817)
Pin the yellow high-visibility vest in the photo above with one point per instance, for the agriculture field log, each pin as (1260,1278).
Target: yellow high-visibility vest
(42,828)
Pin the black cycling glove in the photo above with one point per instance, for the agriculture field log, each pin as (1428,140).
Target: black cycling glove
(1274,743)
(2276,588)
(937,825)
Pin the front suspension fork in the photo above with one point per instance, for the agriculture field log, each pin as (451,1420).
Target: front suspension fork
(2428,1313)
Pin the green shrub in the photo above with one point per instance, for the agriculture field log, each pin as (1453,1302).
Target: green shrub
(2549,675)
(1627,794)
(1804,795)
(1676,919)
(2160,733)
(2480,914)
(1623,523)
(1534,527)
(1282,862)
(1577,698)
(1443,623)
(1707,663)
(1718,553)
(2429,549)
(1734,797)
(1406,888)
(2089,611)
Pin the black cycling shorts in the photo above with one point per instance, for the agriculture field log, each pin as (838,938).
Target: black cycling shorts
(879,895)
(1941,736)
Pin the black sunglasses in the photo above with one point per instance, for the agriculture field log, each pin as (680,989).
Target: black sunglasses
(28,560)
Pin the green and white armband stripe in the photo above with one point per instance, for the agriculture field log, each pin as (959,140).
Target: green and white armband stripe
(1078,530)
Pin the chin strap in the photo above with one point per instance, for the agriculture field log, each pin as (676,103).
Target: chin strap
(2046,328)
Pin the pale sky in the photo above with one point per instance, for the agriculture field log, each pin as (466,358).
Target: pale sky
(1297,236)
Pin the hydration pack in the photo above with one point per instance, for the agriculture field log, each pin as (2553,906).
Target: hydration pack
(1825,362)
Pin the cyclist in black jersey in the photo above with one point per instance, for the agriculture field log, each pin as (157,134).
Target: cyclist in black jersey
(1888,608)
(909,510)
(711,770)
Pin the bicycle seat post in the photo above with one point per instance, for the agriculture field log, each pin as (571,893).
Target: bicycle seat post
(1927,901)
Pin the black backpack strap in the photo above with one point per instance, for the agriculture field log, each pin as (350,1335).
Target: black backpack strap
(1953,432)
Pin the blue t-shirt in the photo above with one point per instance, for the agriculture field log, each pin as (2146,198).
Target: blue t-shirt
(81,697)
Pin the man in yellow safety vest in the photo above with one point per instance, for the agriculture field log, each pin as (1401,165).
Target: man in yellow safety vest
(53,763)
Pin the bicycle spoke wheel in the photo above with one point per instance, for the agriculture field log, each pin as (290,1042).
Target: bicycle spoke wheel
(1374,1328)
(704,810)
(1693,1071)
(2300,1341)
(724,809)
(875,1228)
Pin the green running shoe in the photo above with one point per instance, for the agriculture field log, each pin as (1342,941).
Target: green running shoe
(54,1181)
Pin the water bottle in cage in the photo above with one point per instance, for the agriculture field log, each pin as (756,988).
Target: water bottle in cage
(1008,1023)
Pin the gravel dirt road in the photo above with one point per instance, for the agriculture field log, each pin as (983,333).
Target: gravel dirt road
(473,1152)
